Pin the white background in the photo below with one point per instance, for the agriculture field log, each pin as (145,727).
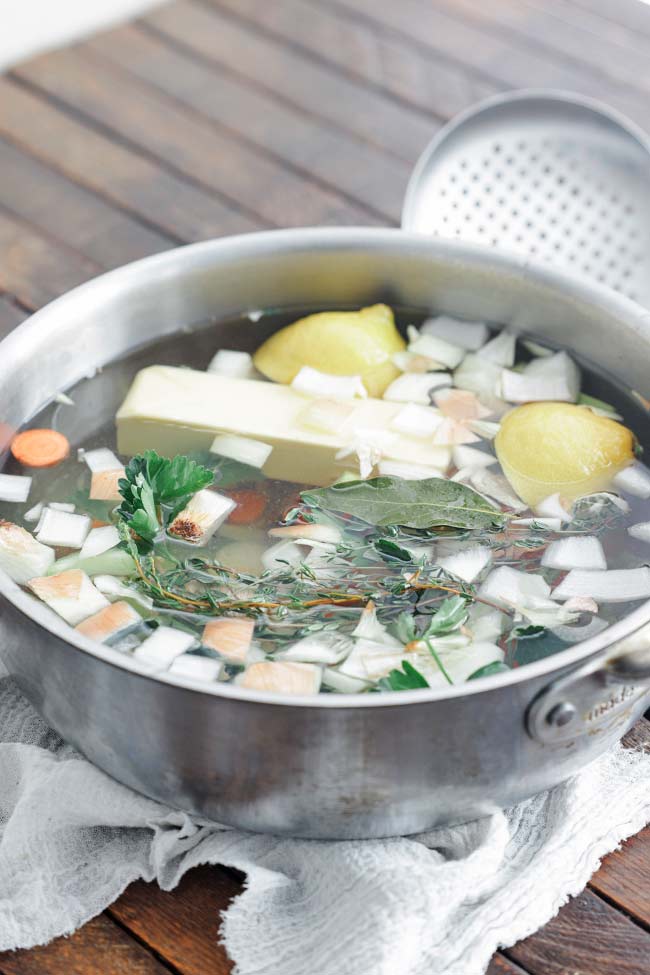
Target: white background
(30,26)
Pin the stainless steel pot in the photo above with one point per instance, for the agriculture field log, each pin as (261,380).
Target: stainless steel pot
(331,766)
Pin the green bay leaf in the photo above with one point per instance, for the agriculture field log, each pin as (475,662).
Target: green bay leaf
(429,503)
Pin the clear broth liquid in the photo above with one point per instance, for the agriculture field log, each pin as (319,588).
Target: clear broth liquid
(89,423)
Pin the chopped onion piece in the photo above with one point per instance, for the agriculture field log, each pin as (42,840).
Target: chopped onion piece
(575,552)
(229,362)
(62,529)
(21,556)
(641,531)
(507,587)
(634,480)
(319,648)
(196,667)
(312,382)
(460,404)
(410,362)
(61,506)
(63,399)
(308,533)
(575,634)
(464,456)
(581,604)
(500,349)
(370,661)
(110,623)
(554,378)
(34,514)
(553,507)
(369,446)
(611,586)
(164,644)
(281,677)
(114,588)
(230,636)
(416,420)
(537,350)
(468,335)
(484,623)
(484,428)
(440,350)
(469,564)
(451,432)
(71,594)
(462,663)
(479,375)
(243,449)
(369,628)
(409,472)
(325,415)
(277,556)
(341,683)
(496,486)
(101,459)
(414,387)
(14,487)
(200,518)
(100,540)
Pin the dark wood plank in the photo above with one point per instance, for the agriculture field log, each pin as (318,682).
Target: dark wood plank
(500,965)
(116,172)
(370,54)
(183,925)
(465,32)
(635,16)
(10,315)
(531,25)
(587,936)
(623,877)
(37,269)
(101,947)
(621,30)
(194,148)
(341,163)
(68,212)
(431,27)
(297,79)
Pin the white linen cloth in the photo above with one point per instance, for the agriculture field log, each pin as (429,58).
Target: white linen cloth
(71,839)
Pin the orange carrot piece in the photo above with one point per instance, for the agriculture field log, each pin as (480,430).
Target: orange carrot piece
(251,505)
(40,448)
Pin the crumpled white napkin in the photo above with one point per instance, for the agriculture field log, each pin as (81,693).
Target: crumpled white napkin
(71,839)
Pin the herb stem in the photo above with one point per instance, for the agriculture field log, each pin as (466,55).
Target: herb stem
(437,659)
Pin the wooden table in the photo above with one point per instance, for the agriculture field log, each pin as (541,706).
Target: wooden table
(211,117)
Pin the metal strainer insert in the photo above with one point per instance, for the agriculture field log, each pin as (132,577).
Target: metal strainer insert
(555,176)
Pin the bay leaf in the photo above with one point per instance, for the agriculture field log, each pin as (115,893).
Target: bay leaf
(429,503)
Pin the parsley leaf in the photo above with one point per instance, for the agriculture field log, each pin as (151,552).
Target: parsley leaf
(406,679)
(150,481)
(451,613)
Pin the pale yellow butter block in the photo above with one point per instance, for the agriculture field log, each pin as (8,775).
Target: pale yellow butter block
(175,411)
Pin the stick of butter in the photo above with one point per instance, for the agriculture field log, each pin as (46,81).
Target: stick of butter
(176,411)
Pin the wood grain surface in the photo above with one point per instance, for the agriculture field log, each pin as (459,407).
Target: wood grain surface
(213,117)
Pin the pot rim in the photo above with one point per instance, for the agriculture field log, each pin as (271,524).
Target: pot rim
(334,238)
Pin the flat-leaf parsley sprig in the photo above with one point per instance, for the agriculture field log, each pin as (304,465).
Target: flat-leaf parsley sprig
(150,482)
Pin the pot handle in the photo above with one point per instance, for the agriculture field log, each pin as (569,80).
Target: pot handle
(595,696)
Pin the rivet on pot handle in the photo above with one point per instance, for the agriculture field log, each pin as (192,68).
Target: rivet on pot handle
(594,697)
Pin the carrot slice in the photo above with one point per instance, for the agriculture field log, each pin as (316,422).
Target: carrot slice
(40,448)
(251,505)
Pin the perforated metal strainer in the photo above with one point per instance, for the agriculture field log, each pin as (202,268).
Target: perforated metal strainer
(556,176)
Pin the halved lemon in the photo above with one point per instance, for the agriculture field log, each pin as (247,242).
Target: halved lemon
(546,448)
(343,343)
